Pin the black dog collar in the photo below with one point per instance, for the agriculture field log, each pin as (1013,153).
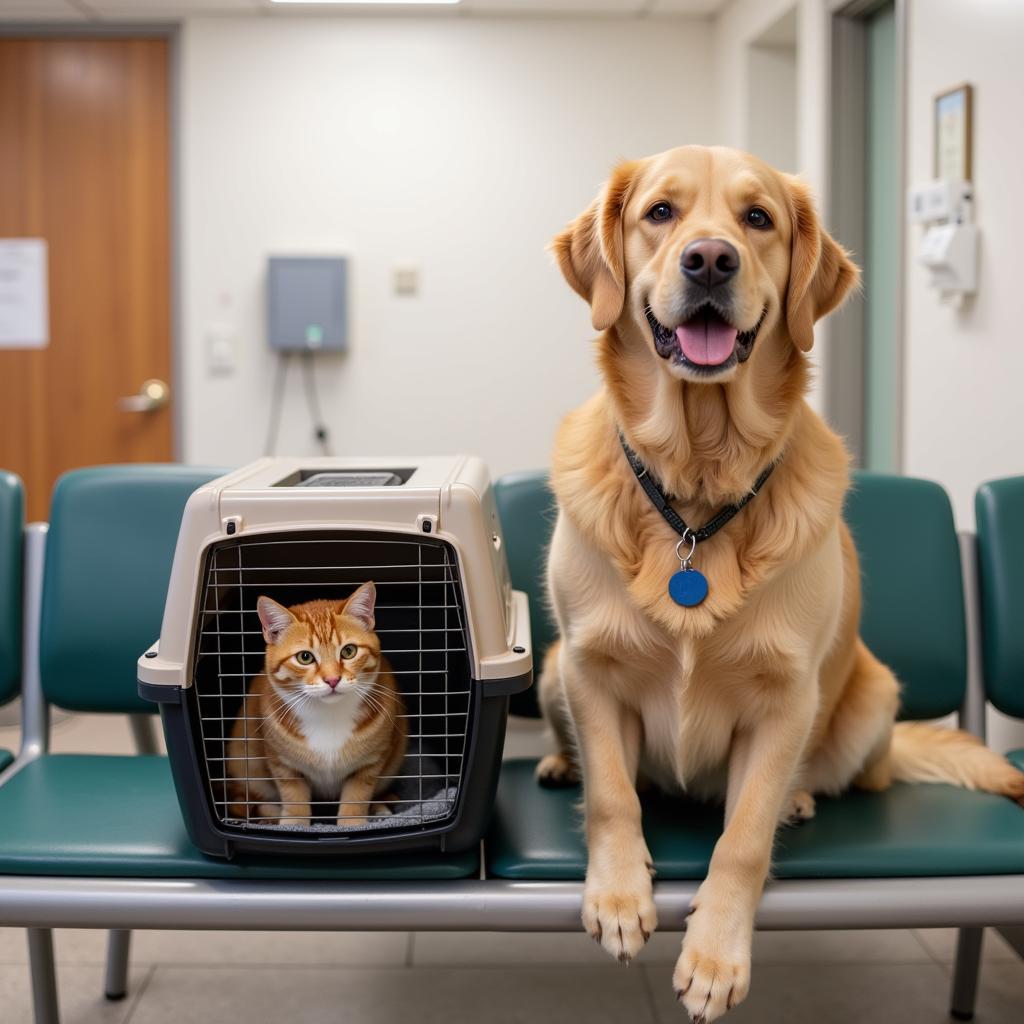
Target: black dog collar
(687,587)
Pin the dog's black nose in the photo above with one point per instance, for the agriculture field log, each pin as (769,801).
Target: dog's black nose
(709,261)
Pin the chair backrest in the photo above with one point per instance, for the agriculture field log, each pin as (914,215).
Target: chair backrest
(12,526)
(526,508)
(913,605)
(109,549)
(913,614)
(999,512)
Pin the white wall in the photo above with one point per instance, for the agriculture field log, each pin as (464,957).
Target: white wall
(771,87)
(964,422)
(459,145)
(964,419)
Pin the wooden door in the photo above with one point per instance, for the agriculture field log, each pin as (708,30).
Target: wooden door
(84,164)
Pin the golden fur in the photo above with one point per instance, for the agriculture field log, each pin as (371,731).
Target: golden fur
(764,694)
(297,739)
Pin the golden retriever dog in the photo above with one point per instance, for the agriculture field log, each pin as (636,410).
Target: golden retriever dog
(705,271)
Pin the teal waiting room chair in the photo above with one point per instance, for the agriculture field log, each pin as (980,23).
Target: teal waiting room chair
(999,513)
(99,837)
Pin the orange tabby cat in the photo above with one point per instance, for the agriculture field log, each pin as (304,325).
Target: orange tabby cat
(325,719)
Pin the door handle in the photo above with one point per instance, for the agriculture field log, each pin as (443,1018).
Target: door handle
(154,394)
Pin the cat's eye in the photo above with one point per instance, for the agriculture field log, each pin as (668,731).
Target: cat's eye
(349,651)
(305,658)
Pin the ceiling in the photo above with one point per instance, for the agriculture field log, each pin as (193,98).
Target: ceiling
(164,10)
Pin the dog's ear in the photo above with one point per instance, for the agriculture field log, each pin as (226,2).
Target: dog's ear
(821,274)
(589,250)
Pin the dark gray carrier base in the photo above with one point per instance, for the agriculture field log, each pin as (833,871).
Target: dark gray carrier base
(458,831)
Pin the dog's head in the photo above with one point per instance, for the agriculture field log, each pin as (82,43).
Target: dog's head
(704,251)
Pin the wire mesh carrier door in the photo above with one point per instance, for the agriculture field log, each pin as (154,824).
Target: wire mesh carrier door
(420,621)
(441,724)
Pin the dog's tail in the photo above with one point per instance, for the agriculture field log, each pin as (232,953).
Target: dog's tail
(922,752)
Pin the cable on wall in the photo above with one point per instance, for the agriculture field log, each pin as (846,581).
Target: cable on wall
(320,430)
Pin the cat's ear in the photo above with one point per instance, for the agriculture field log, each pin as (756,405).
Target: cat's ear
(360,605)
(274,618)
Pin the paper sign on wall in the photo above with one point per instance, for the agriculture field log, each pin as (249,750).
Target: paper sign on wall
(24,309)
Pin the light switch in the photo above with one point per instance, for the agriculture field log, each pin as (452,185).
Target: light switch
(407,280)
(221,350)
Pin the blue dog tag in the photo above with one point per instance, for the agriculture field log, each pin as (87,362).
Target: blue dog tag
(688,587)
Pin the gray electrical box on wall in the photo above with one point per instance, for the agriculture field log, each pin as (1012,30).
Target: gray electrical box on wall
(307,303)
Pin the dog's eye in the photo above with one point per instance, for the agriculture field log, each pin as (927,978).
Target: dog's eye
(305,658)
(659,213)
(349,651)
(758,218)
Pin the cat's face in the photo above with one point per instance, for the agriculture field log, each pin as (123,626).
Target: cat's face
(323,650)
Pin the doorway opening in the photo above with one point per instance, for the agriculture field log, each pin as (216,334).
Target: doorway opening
(864,373)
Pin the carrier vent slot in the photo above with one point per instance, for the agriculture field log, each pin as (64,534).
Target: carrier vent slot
(341,477)
(421,623)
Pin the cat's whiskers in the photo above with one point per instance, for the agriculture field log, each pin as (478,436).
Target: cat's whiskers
(377,688)
(283,703)
(376,703)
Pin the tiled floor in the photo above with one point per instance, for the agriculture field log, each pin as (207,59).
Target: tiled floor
(400,978)
(252,978)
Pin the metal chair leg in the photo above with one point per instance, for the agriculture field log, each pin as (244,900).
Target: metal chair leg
(118,950)
(44,976)
(965,973)
(119,940)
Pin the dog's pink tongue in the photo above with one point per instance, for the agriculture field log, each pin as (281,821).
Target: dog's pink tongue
(706,342)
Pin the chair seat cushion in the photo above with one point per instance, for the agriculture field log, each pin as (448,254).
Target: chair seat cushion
(1017,757)
(6,757)
(907,831)
(78,814)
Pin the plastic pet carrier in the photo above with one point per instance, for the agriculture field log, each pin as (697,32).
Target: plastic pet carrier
(456,636)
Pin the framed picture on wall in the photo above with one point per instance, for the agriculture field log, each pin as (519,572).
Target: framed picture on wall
(953,134)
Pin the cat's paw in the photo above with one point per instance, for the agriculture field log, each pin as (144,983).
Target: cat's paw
(350,821)
(294,822)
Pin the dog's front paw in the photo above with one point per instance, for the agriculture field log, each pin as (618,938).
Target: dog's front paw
(557,771)
(620,918)
(799,807)
(712,974)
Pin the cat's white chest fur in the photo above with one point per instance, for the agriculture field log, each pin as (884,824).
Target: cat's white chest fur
(327,725)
